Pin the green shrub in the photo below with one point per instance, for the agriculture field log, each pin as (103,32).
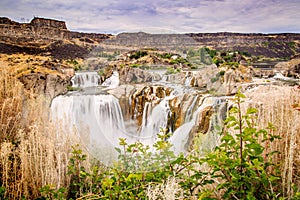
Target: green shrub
(238,168)
(214,79)
(171,70)
(71,88)
(241,164)
(221,73)
(135,65)
(138,54)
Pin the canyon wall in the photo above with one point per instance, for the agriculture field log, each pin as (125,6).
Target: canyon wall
(283,45)
(40,28)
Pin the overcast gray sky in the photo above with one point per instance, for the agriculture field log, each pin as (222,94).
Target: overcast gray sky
(162,16)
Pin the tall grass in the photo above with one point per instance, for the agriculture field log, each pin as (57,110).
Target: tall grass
(11,105)
(34,151)
(276,106)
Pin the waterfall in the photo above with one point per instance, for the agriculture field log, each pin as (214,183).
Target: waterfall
(188,80)
(180,137)
(113,81)
(96,117)
(156,120)
(85,79)
(188,115)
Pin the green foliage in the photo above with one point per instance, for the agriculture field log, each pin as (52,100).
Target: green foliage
(2,192)
(239,168)
(201,56)
(180,60)
(101,72)
(72,62)
(49,192)
(245,53)
(233,65)
(139,167)
(70,88)
(171,70)
(222,73)
(214,79)
(246,171)
(217,61)
(77,67)
(292,44)
(165,55)
(211,52)
(138,54)
(75,64)
(135,65)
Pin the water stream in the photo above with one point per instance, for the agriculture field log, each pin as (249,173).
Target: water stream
(97,118)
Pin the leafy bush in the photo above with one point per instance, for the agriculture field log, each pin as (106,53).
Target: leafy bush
(222,73)
(238,168)
(171,70)
(135,65)
(212,53)
(138,54)
(70,88)
(240,162)
(214,79)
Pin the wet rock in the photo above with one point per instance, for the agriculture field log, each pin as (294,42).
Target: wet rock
(151,95)
(123,93)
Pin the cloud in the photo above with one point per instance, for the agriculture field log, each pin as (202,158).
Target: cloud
(163,16)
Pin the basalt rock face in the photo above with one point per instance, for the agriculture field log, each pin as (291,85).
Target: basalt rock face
(283,45)
(45,36)
(151,95)
(224,81)
(50,85)
(136,75)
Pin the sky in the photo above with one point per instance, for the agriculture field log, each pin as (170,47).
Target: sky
(162,16)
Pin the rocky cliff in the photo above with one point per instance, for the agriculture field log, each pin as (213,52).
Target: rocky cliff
(46,36)
(283,45)
(44,53)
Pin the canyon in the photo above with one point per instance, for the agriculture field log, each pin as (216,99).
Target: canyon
(136,85)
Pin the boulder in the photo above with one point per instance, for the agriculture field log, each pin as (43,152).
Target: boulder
(290,68)
(49,85)
(135,75)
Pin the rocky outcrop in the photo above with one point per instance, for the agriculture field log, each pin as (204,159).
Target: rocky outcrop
(222,81)
(49,85)
(289,69)
(281,45)
(135,75)
(46,36)
(49,23)
(44,28)
(148,94)
(181,109)
(268,45)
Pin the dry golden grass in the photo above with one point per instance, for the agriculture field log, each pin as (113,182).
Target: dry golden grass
(33,151)
(276,104)
(22,64)
(170,190)
(11,105)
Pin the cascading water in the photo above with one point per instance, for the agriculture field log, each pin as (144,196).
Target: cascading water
(96,116)
(180,137)
(113,81)
(85,79)
(156,120)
